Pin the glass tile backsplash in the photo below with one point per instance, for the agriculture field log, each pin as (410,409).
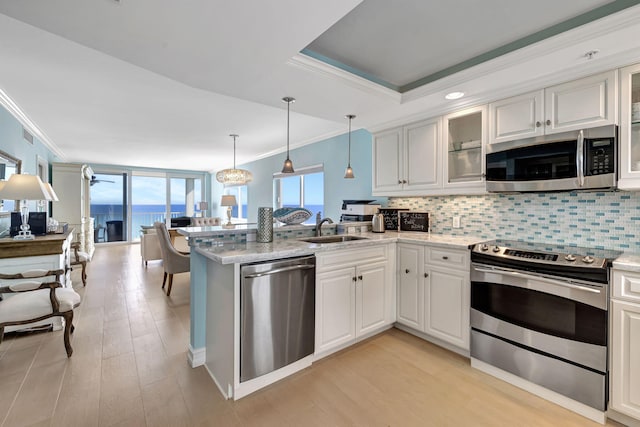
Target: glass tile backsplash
(607,220)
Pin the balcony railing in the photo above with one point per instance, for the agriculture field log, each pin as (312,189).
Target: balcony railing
(138,219)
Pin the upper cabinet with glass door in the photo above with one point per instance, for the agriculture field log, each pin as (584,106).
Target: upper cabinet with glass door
(465,135)
(629,128)
(575,105)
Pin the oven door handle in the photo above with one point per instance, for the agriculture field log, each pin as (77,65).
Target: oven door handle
(512,273)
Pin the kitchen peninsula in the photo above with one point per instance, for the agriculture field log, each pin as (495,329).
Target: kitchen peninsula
(356,279)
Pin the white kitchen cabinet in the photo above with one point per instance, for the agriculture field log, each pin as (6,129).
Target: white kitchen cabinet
(446,302)
(407,158)
(464,163)
(434,292)
(355,296)
(629,128)
(371,297)
(410,311)
(517,117)
(578,104)
(625,344)
(442,155)
(387,157)
(335,309)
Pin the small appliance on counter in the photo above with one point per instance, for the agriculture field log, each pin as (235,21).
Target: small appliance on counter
(358,210)
(377,223)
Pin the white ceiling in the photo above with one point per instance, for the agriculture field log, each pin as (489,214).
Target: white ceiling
(154,83)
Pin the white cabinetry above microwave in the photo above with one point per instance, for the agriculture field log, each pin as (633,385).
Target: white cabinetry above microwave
(442,155)
(579,104)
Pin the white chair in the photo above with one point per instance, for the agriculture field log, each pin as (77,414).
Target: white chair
(32,299)
(149,246)
(80,258)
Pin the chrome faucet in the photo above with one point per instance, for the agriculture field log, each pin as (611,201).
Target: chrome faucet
(319,222)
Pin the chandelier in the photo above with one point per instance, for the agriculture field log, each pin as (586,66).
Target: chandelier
(234,176)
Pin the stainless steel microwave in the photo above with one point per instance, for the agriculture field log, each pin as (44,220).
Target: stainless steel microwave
(577,160)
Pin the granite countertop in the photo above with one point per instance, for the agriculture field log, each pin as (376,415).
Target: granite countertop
(230,252)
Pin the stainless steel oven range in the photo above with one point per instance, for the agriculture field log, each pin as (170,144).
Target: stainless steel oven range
(540,312)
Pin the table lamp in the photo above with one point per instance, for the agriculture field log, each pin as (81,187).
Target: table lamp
(203,206)
(24,187)
(228,200)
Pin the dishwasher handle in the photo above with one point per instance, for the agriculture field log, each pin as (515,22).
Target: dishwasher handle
(280,270)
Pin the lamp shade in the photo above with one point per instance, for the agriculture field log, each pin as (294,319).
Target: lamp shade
(25,187)
(228,200)
(54,196)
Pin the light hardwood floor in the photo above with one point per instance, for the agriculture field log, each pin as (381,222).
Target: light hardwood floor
(129,368)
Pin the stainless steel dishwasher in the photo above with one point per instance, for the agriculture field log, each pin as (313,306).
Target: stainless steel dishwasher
(277,314)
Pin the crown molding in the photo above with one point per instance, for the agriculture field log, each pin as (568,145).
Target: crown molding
(316,66)
(28,124)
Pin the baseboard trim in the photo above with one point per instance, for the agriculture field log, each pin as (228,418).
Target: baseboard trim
(196,357)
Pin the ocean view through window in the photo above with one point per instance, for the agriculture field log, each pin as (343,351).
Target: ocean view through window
(304,189)
(136,200)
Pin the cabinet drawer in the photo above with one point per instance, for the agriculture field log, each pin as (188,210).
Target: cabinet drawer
(453,258)
(626,285)
(348,257)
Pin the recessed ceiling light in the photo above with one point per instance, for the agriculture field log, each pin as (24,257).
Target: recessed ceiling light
(454,95)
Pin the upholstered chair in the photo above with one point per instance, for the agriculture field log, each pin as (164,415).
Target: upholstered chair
(205,221)
(80,258)
(149,246)
(173,261)
(37,295)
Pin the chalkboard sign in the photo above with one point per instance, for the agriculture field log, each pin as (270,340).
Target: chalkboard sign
(414,221)
(390,216)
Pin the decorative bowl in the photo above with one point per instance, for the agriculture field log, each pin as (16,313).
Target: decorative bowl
(292,216)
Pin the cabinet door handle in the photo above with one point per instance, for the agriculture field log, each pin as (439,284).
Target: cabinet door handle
(445,257)
(360,277)
(404,181)
(426,274)
(354,279)
(399,181)
(406,271)
(548,123)
(538,124)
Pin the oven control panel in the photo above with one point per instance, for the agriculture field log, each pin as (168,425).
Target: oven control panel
(495,249)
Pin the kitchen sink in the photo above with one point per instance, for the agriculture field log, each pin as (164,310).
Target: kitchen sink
(332,239)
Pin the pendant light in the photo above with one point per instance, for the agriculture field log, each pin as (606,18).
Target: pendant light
(348,174)
(234,176)
(288,164)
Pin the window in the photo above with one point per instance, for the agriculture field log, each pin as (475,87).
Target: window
(132,200)
(240,210)
(304,189)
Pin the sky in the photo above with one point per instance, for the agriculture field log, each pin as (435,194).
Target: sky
(145,190)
